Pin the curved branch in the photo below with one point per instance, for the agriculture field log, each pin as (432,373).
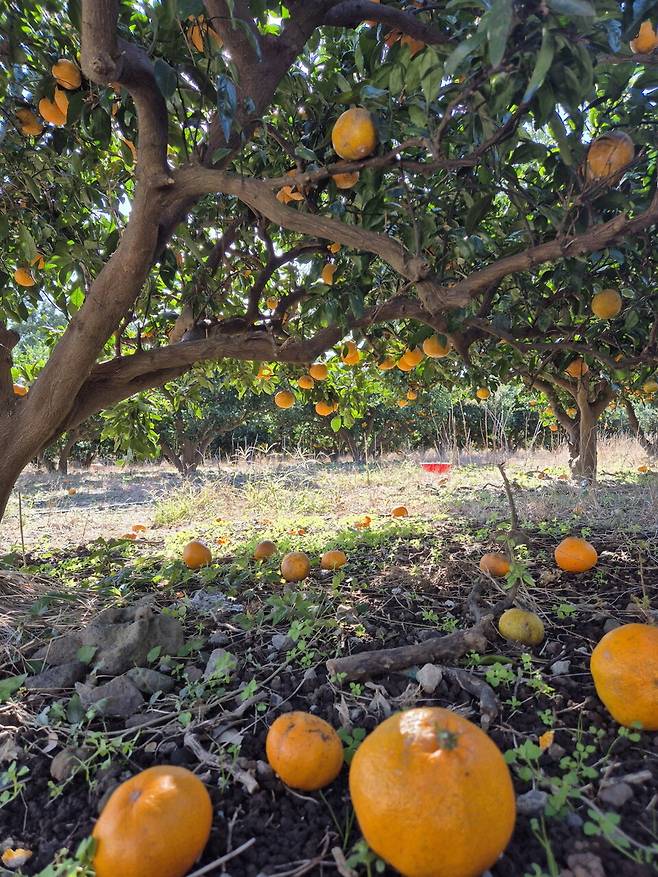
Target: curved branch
(351,13)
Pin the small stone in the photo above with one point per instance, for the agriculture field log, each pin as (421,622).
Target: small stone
(219,658)
(219,639)
(62,676)
(193,674)
(553,648)
(310,680)
(149,681)
(429,677)
(573,820)
(611,624)
(616,794)
(66,762)
(560,668)
(281,642)
(531,803)
(275,700)
(118,697)
(556,752)
(263,771)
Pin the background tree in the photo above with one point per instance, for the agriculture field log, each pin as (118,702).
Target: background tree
(146,208)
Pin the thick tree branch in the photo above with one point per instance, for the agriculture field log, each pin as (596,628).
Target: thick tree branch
(105,58)
(8,340)
(351,13)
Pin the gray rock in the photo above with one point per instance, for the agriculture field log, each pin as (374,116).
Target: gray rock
(616,794)
(218,657)
(66,762)
(118,697)
(531,803)
(281,642)
(309,680)
(556,752)
(193,674)
(62,676)
(219,639)
(611,624)
(429,677)
(560,668)
(122,637)
(149,681)
(207,603)
(573,820)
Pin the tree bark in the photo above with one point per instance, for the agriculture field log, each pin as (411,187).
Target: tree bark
(636,428)
(586,463)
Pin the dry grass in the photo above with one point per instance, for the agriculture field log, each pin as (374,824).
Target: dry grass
(109,500)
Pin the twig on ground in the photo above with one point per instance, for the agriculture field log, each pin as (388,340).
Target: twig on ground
(223,859)
(489,703)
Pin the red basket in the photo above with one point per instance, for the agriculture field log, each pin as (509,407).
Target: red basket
(438,468)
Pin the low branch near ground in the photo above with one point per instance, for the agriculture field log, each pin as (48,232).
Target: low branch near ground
(436,650)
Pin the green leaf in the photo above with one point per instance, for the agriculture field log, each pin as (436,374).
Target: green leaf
(10,685)
(477,213)
(542,65)
(85,654)
(336,423)
(580,8)
(499,26)
(463,50)
(165,76)
(227,102)
(28,245)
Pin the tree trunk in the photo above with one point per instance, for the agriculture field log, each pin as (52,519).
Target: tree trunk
(585,464)
(636,428)
(10,469)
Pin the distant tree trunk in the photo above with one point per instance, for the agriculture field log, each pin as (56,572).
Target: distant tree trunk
(636,428)
(352,445)
(65,451)
(586,463)
(44,461)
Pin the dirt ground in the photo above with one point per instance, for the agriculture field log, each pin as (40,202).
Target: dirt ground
(587,788)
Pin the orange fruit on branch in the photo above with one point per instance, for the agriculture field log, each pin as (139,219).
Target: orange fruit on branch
(295,566)
(574,554)
(51,112)
(20,390)
(403,363)
(414,357)
(606,304)
(333,559)
(435,348)
(318,371)
(624,666)
(284,399)
(608,155)
(577,368)
(482,393)
(386,364)
(155,824)
(495,564)
(66,74)
(306,382)
(345,181)
(324,409)
(352,355)
(196,555)
(646,40)
(354,135)
(23,277)
(432,794)
(264,549)
(304,751)
(28,123)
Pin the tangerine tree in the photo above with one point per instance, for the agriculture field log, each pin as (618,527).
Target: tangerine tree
(171,185)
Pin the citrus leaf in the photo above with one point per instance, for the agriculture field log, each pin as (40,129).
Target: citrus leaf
(10,685)
(499,26)
(542,65)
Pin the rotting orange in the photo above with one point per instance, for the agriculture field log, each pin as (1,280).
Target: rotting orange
(264,549)
(304,751)
(521,626)
(333,559)
(624,666)
(432,794)
(156,824)
(574,554)
(495,564)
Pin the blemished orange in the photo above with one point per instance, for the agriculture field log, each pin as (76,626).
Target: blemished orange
(435,348)
(156,824)
(304,751)
(521,626)
(574,554)
(318,371)
(606,304)
(196,555)
(354,136)
(482,393)
(333,559)
(284,399)
(346,181)
(264,549)
(432,794)
(608,155)
(66,74)
(624,666)
(295,566)
(646,40)
(399,511)
(494,563)
(577,368)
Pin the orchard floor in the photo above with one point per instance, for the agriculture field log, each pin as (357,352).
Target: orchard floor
(595,808)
